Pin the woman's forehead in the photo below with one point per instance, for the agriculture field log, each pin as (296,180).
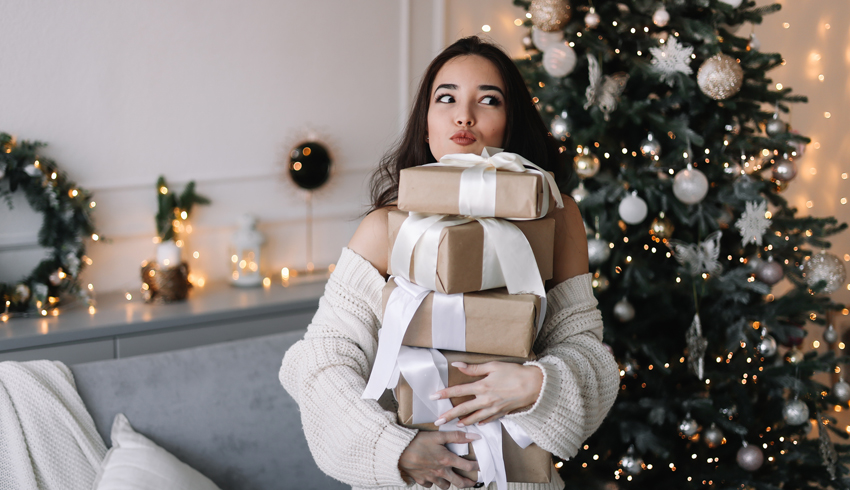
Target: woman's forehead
(469,71)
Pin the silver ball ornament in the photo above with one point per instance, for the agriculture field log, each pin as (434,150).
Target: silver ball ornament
(713,436)
(22,293)
(720,77)
(624,311)
(775,126)
(560,126)
(549,15)
(754,44)
(632,209)
(824,266)
(732,3)
(598,250)
(586,164)
(784,170)
(750,458)
(830,335)
(688,426)
(767,346)
(650,146)
(544,40)
(661,17)
(592,19)
(841,390)
(559,60)
(690,185)
(580,193)
(795,412)
(631,463)
(769,272)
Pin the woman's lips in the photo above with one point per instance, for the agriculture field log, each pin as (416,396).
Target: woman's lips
(463,138)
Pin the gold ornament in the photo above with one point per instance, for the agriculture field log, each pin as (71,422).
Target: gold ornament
(794,355)
(549,15)
(586,164)
(720,77)
(661,227)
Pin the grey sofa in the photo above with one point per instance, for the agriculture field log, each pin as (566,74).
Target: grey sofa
(219,408)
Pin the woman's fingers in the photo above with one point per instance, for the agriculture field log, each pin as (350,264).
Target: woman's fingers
(463,410)
(480,416)
(456,391)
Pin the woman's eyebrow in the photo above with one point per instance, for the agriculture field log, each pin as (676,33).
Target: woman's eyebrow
(449,86)
(491,87)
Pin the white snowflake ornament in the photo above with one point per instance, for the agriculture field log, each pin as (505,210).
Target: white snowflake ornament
(753,223)
(671,58)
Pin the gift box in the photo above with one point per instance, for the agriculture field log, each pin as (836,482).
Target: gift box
(460,253)
(497,322)
(435,190)
(531,465)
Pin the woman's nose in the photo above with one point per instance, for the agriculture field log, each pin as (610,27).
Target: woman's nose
(465,117)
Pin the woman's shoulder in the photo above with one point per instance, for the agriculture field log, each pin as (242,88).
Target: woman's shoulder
(370,239)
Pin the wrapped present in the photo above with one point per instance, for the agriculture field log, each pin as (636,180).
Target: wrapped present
(465,260)
(529,464)
(491,322)
(504,185)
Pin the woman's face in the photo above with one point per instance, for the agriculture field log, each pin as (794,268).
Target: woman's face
(467,109)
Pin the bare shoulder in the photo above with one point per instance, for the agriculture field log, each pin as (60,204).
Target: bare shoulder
(370,239)
(570,242)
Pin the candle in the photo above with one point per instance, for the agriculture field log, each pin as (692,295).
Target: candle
(168,254)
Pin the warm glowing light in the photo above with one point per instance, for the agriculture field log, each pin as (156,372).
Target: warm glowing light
(166,262)
(92,310)
(243,264)
(201,282)
(809,204)
(559,464)
(778,86)
(157,239)
(296,166)
(92,204)
(95,237)
(786,25)
(827,115)
(485,28)
(331,267)
(528,15)
(179,243)
(284,273)
(815,344)
(267,282)
(234,259)
(73,192)
(53,175)
(163,190)
(820,77)
(196,254)
(184,214)
(517,22)
(91,287)
(235,275)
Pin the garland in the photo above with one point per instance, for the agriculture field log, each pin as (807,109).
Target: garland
(67,223)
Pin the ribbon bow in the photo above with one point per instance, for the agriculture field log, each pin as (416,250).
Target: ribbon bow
(477,196)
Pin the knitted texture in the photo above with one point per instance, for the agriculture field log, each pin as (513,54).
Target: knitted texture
(48,439)
(359,441)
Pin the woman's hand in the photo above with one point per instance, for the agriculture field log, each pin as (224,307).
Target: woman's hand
(427,460)
(506,387)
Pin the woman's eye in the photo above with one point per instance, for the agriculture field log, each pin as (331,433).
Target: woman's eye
(446,99)
(490,100)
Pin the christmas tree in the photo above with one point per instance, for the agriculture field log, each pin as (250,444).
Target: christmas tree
(701,267)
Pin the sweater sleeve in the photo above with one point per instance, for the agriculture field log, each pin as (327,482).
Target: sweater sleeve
(580,376)
(353,440)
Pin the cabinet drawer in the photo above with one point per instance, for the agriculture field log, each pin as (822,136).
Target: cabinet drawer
(71,353)
(210,333)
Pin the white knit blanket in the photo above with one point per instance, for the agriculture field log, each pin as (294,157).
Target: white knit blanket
(47,437)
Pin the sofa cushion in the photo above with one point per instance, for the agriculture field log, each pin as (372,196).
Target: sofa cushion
(219,408)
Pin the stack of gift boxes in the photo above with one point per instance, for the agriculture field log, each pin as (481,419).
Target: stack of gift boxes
(499,326)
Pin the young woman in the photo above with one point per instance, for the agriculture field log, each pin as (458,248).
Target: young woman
(471,96)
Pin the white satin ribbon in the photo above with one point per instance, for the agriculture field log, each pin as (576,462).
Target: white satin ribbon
(448,322)
(426,371)
(477,195)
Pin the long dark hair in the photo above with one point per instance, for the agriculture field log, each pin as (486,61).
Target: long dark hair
(525,134)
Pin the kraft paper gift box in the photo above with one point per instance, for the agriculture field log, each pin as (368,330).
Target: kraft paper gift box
(460,252)
(435,190)
(497,322)
(530,465)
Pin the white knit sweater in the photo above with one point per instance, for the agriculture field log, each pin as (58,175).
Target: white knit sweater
(359,442)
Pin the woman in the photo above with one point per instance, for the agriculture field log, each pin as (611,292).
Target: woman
(471,96)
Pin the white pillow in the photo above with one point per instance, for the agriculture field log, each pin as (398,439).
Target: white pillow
(137,463)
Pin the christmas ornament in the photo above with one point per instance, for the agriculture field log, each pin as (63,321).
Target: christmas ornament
(527,42)
(623,310)
(632,209)
(661,227)
(769,272)
(795,412)
(549,15)
(32,170)
(597,250)
(559,60)
(690,185)
(2,170)
(825,446)
(767,345)
(631,463)
(699,257)
(754,44)
(650,146)
(750,457)
(830,335)
(560,125)
(22,293)
(56,277)
(580,193)
(753,223)
(697,345)
(784,170)
(630,367)
(688,426)
(775,126)
(841,390)
(720,77)
(732,3)
(713,436)
(661,17)
(544,40)
(794,356)
(586,164)
(599,282)
(826,267)
(603,91)
(592,19)
(671,58)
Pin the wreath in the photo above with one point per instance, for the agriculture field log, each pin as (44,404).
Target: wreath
(67,224)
